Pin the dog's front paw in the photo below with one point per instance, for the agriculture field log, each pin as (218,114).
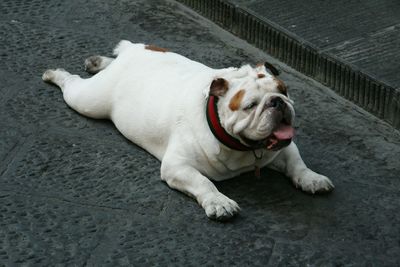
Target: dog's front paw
(219,207)
(312,182)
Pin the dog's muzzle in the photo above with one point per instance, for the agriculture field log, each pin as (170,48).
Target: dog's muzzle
(277,103)
(283,133)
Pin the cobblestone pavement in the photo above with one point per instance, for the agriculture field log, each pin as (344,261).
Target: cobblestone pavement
(73,191)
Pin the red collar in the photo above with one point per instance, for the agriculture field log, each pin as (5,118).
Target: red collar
(217,129)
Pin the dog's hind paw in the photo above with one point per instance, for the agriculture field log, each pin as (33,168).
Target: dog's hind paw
(93,64)
(48,75)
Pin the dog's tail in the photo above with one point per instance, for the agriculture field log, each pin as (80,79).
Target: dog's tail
(121,46)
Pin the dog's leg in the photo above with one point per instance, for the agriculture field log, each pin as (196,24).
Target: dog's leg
(59,77)
(94,64)
(291,164)
(191,182)
(86,96)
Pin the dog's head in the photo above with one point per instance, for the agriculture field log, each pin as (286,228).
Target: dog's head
(254,106)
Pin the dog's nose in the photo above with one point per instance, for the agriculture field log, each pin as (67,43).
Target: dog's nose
(276,102)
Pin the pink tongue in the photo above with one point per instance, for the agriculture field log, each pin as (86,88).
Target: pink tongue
(284,132)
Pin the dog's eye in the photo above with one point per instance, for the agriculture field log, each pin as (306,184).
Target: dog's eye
(250,106)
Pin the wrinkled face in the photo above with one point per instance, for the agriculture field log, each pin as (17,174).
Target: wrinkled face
(254,107)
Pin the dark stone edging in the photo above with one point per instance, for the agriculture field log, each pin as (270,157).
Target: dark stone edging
(372,95)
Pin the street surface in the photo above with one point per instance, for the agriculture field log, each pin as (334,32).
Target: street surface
(73,191)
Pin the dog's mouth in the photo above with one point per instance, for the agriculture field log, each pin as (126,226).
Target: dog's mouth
(280,137)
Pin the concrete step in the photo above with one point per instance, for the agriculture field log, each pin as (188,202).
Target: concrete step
(351,48)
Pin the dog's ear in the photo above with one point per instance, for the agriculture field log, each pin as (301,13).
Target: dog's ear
(271,68)
(219,87)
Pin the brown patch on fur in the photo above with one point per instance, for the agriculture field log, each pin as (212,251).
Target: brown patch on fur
(219,87)
(236,100)
(260,64)
(260,75)
(155,48)
(281,86)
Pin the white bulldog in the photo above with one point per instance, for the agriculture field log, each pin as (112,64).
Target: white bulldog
(201,123)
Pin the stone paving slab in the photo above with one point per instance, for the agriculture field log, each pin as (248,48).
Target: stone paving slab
(73,191)
(39,231)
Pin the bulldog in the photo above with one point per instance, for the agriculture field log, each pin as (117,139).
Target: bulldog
(201,123)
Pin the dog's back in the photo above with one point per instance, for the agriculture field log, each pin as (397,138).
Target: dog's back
(161,85)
